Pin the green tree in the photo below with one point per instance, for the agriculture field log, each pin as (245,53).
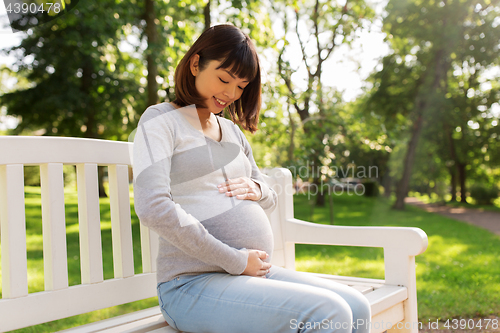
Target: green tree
(426,38)
(319,26)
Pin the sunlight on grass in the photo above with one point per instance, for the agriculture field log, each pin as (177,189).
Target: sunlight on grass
(74,228)
(35,276)
(34,243)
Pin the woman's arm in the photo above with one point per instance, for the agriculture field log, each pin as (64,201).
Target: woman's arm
(269,197)
(153,149)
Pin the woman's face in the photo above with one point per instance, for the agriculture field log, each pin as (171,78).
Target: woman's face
(218,86)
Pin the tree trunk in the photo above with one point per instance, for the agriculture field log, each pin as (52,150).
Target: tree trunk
(206,13)
(387,184)
(422,103)
(291,147)
(453,182)
(152,35)
(452,168)
(91,122)
(461,179)
(404,183)
(320,197)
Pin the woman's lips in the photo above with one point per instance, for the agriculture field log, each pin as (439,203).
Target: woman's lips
(219,104)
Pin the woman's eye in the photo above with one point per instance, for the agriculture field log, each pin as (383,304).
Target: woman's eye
(241,88)
(222,80)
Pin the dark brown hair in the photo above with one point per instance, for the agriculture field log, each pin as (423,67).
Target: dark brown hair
(236,52)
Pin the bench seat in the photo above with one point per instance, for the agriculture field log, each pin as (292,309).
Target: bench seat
(386,302)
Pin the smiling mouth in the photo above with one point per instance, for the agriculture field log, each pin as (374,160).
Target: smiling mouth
(220,101)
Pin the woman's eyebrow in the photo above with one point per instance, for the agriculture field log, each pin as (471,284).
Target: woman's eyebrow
(232,75)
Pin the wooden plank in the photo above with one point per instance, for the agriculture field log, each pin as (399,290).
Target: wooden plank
(404,240)
(36,150)
(363,289)
(167,329)
(386,297)
(89,223)
(391,316)
(13,227)
(149,249)
(352,281)
(120,321)
(140,326)
(45,306)
(121,224)
(55,260)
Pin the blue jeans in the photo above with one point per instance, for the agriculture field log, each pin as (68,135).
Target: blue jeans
(286,301)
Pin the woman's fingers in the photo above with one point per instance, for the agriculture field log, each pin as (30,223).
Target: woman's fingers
(241,187)
(255,265)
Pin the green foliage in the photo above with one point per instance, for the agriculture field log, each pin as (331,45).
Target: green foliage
(31,176)
(81,84)
(460,127)
(484,194)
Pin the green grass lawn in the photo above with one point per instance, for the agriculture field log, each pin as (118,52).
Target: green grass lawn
(456,277)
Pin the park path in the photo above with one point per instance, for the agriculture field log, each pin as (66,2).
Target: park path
(486,219)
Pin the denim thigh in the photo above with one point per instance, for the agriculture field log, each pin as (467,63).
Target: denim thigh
(283,302)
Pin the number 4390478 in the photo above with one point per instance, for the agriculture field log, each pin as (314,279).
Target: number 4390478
(464,324)
(33,8)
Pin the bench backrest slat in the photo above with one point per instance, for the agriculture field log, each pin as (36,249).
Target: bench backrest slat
(149,249)
(55,261)
(121,224)
(89,223)
(281,181)
(13,227)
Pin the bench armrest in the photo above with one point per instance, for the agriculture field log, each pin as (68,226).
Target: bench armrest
(400,244)
(411,241)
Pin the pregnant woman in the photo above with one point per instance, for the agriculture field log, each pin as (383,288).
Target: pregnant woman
(197,186)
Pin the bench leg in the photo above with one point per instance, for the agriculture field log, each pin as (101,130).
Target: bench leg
(400,270)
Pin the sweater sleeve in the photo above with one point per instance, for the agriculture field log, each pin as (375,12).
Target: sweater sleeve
(152,152)
(269,197)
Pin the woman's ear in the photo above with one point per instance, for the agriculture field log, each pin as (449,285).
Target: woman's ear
(194,63)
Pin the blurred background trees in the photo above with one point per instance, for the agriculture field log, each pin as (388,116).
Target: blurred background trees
(427,119)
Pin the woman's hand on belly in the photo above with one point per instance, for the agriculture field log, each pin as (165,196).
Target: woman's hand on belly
(241,187)
(255,264)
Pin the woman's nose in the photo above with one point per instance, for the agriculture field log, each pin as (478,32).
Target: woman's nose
(230,91)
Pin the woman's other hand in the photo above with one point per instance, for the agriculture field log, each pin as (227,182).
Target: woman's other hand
(256,265)
(242,187)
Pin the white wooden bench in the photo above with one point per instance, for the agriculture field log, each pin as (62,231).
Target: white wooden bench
(393,300)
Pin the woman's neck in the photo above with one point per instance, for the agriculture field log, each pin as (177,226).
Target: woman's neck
(206,118)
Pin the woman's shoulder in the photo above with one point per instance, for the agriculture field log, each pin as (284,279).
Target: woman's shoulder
(230,124)
(235,130)
(155,111)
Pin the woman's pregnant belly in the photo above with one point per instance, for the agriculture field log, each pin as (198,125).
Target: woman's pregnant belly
(238,223)
(244,226)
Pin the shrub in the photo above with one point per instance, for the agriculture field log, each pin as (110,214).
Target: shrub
(484,194)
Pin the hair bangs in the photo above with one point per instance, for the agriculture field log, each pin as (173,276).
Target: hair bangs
(242,62)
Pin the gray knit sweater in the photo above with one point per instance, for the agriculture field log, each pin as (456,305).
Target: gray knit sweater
(176,173)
